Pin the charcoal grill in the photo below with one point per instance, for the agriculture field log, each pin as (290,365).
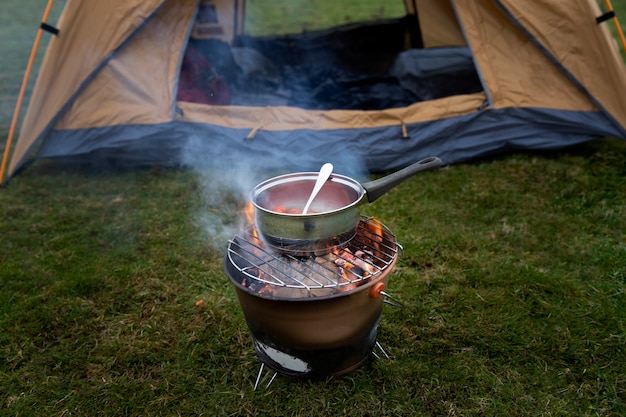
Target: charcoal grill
(314,313)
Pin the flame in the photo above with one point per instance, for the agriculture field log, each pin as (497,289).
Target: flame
(376,228)
(374,233)
(248,213)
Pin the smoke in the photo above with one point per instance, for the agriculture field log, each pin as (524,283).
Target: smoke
(228,165)
(225,182)
(228,168)
(221,216)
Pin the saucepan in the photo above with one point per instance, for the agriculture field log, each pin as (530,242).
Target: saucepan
(334,213)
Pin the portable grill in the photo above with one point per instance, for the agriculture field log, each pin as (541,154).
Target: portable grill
(313,313)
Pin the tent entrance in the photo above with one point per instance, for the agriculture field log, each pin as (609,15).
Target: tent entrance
(373,65)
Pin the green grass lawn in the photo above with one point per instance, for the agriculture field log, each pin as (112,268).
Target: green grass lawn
(513,280)
(513,277)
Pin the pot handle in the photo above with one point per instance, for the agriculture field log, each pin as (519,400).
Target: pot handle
(376,188)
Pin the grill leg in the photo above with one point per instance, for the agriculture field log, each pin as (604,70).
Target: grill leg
(258,377)
(380,348)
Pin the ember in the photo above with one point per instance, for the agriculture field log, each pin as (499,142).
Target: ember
(357,266)
(341,271)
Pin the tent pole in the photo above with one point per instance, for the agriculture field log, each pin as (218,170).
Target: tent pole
(20,96)
(617,26)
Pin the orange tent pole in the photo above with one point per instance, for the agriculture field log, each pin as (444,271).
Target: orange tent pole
(617,26)
(20,96)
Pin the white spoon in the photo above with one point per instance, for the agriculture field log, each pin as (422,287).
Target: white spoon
(323,175)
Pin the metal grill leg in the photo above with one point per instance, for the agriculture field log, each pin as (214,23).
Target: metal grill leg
(258,377)
(382,351)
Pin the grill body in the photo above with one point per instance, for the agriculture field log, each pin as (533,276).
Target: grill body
(314,336)
(329,336)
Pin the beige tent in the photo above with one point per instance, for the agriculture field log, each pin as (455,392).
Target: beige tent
(531,74)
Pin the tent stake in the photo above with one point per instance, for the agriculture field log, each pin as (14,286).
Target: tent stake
(20,96)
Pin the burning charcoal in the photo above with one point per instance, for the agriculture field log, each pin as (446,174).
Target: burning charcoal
(354,269)
(357,263)
(366,269)
(343,256)
(365,255)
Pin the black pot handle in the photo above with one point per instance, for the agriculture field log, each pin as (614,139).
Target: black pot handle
(376,188)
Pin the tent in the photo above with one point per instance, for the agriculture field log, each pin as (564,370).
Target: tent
(182,82)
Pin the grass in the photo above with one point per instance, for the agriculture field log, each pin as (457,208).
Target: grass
(513,280)
(320,14)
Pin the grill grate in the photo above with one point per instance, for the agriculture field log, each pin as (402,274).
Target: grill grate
(264,269)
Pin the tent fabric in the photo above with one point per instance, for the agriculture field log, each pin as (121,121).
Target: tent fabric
(374,149)
(439,24)
(553,31)
(548,76)
(90,32)
(129,89)
(526,77)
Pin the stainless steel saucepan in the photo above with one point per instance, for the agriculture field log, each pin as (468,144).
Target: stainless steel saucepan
(332,217)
